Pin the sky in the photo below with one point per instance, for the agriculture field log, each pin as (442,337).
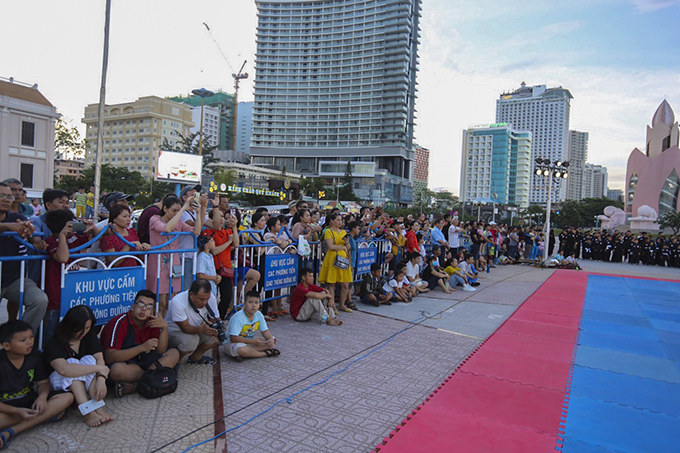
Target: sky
(619,59)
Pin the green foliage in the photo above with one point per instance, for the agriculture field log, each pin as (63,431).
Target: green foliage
(112,179)
(589,208)
(570,215)
(224,176)
(422,201)
(346,191)
(670,220)
(311,186)
(67,140)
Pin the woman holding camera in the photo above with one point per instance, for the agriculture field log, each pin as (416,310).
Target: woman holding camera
(159,268)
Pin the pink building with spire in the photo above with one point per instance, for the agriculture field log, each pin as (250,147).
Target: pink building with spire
(652,177)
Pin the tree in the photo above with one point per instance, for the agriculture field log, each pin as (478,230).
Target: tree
(670,220)
(590,208)
(422,200)
(346,190)
(190,145)
(112,179)
(312,186)
(225,176)
(569,214)
(443,202)
(67,141)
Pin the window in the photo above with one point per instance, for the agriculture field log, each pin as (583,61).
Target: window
(27,174)
(27,135)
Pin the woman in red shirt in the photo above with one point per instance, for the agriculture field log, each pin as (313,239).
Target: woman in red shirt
(411,238)
(120,220)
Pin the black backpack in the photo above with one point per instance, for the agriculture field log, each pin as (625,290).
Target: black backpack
(157,382)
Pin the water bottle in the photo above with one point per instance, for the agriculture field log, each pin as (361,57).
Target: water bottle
(324,318)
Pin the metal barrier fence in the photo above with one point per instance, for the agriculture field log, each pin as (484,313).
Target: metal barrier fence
(109,290)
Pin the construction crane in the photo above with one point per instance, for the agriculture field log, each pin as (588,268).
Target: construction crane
(237,79)
(238,76)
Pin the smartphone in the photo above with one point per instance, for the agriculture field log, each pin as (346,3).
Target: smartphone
(79,227)
(211,195)
(197,197)
(90,406)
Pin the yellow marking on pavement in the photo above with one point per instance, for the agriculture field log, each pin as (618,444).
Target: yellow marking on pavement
(461,334)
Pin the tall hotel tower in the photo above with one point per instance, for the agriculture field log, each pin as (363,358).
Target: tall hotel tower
(335,83)
(544,112)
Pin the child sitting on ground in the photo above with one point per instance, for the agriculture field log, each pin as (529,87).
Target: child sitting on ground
(242,329)
(371,291)
(25,397)
(469,270)
(457,277)
(435,275)
(395,287)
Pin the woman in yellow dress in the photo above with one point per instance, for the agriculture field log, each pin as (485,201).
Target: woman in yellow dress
(338,245)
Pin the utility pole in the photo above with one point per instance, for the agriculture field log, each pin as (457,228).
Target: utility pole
(100,120)
(237,78)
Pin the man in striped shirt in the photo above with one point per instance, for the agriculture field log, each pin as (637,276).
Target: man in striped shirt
(134,341)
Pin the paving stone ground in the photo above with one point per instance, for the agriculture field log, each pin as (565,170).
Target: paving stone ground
(397,363)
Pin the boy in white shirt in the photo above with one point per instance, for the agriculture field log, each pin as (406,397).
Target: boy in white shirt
(395,286)
(413,273)
(242,329)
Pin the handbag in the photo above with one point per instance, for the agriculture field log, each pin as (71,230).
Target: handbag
(226,272)
(340,262)
(157,382)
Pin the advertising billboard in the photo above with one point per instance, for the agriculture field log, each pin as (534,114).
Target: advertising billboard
(179,167)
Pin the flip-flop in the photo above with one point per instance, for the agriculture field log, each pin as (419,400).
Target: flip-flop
(123,388)
(352,306)
(205,360)
(346,309)
(272,352)
(6,439)
(57,418)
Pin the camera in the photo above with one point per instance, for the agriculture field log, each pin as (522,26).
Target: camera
(221,329)
(79,227)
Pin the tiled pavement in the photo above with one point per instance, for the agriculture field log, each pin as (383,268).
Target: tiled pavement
(353,411)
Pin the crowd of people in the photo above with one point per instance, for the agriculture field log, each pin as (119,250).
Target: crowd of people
(178,316)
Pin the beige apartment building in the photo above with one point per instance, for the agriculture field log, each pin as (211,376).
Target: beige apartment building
(134,131)
(68,167)
(27,122)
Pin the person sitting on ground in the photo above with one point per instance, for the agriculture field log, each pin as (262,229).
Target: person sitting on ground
(307,299)
(189,317)
(457,277)
(435,275)
(25,397)
(134,341)
(395,287)
(77,358)
(413,273)
(469,270)
(371,291)
(407,285)
(242,329)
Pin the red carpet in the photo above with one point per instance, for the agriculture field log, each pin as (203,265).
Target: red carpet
(509,395)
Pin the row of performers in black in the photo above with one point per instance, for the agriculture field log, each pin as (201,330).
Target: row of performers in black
(621,247)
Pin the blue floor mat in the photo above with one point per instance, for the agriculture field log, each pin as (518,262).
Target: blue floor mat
(626,363)
(655,396)
(613,318)
(661,324)
(644,333)
(623,343)
(620,427)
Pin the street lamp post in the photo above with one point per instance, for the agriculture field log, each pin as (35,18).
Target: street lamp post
(550,170)
(203,93)
(493,214)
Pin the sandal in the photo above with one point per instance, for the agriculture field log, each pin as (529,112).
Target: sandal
(56,418)
(205,360)
(352,306)
(346,309)
(272,352)
(270,318)
(6,439)
(121,389)
(238,358)
(283,313)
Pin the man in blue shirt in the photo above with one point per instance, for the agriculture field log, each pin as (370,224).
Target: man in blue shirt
(437,234)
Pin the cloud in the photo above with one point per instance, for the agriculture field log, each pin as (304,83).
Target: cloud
(543,34)
(650,6)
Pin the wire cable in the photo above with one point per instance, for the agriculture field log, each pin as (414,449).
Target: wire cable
(371,349)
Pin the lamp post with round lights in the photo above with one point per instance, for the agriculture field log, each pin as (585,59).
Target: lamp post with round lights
(557,169)
(202,93)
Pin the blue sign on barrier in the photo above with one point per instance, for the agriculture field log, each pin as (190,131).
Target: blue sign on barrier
(108,292)
(366,257)
(281,271)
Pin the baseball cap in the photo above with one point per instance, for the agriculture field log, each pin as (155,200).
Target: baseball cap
(115,197)
(184,191)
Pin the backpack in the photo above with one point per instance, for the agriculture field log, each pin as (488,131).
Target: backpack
(157,382)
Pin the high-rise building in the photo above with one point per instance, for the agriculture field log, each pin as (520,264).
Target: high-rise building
(336,81)
(244,128)
(578,155)
(421,169)
(211,124)
(224,102)
(496,164)
(595,180)
(27,126)
(134,131)
(545,113)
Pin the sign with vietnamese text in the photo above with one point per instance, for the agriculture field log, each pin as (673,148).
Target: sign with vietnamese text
(108,292)
(281,271)
(366,257)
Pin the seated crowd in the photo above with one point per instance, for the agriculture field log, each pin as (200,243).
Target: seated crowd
(179,318)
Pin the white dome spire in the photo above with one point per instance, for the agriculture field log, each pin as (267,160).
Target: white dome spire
(664,114)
